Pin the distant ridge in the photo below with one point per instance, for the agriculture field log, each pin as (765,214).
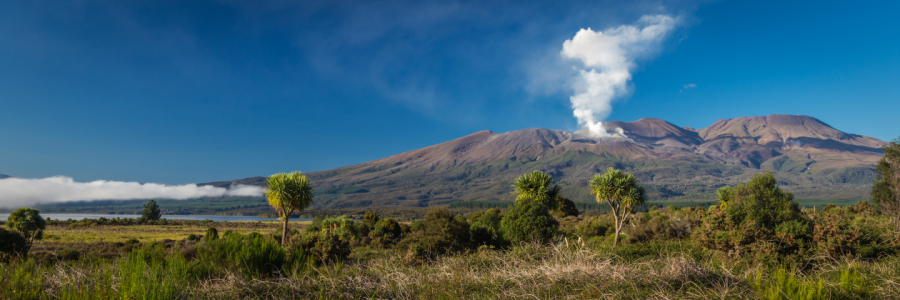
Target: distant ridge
(810,158)
(4,176)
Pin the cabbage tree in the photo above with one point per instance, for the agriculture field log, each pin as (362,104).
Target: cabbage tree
(538,187)
(288,193)
(621,191)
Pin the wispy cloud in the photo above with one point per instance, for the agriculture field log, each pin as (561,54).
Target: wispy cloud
(687,87)
(16,192)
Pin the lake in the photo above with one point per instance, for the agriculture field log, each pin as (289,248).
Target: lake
(63,217)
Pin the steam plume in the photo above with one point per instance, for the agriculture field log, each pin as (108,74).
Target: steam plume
(607,58)
(15,192)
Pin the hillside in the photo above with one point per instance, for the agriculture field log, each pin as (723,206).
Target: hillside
(809,157)
(3,176)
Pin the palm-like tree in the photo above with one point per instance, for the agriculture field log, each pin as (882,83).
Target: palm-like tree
(288,193)
(536,186)
(621,191)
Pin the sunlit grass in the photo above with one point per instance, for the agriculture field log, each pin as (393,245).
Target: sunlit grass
(146,233)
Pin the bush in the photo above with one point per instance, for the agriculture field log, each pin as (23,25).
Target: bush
(588,227)
(28,222)
(528,221)
(12,245)
(440,232)
(385,233)
(485,228)
(759,222)
(564,207)
(212,234)
(370,219)
(324,246)
(847,232)
(668,224)
(327,239)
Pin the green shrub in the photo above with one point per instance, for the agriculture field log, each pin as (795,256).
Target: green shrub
(440,232)
(564,207)
(28,222)
(528,221)
(212,234)
(385,233)
(485,228)
(370,219)
(343,227)
(324,246)
(588,227)
(759,223)
(192,237)
(12,245)
(667,224)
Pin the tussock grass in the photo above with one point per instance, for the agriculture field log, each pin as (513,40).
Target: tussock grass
(562,270)
(526,272)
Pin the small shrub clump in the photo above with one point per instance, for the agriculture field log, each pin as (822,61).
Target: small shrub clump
(12,245)
(327,239)
(439,233)
(485,228)
(757,222)
(212,234)
(528,221)
(385,233)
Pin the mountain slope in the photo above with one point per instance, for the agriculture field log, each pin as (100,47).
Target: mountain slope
(810,158)
(3,176)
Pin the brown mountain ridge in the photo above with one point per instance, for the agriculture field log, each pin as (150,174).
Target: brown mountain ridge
(808,156)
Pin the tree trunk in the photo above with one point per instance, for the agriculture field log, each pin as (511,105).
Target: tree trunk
(616,240)
(618,228)
(284,230)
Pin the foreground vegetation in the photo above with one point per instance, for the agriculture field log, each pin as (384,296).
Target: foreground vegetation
(446,256)
(558,270)
(755,243)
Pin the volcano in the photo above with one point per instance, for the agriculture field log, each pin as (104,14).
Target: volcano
(809,157)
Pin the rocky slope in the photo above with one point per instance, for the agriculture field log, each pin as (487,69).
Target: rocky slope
(810,158)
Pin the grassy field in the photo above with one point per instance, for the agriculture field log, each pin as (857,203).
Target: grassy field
(564,269)
(150,233)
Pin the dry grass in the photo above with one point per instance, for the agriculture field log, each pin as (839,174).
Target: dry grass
(559,271)
(529,272)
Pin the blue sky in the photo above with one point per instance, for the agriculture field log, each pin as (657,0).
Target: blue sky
(195,91)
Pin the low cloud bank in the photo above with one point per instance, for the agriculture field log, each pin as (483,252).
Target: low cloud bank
(16,192)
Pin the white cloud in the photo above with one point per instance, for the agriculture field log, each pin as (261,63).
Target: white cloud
(15,192)
(687,87)
(607,58)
